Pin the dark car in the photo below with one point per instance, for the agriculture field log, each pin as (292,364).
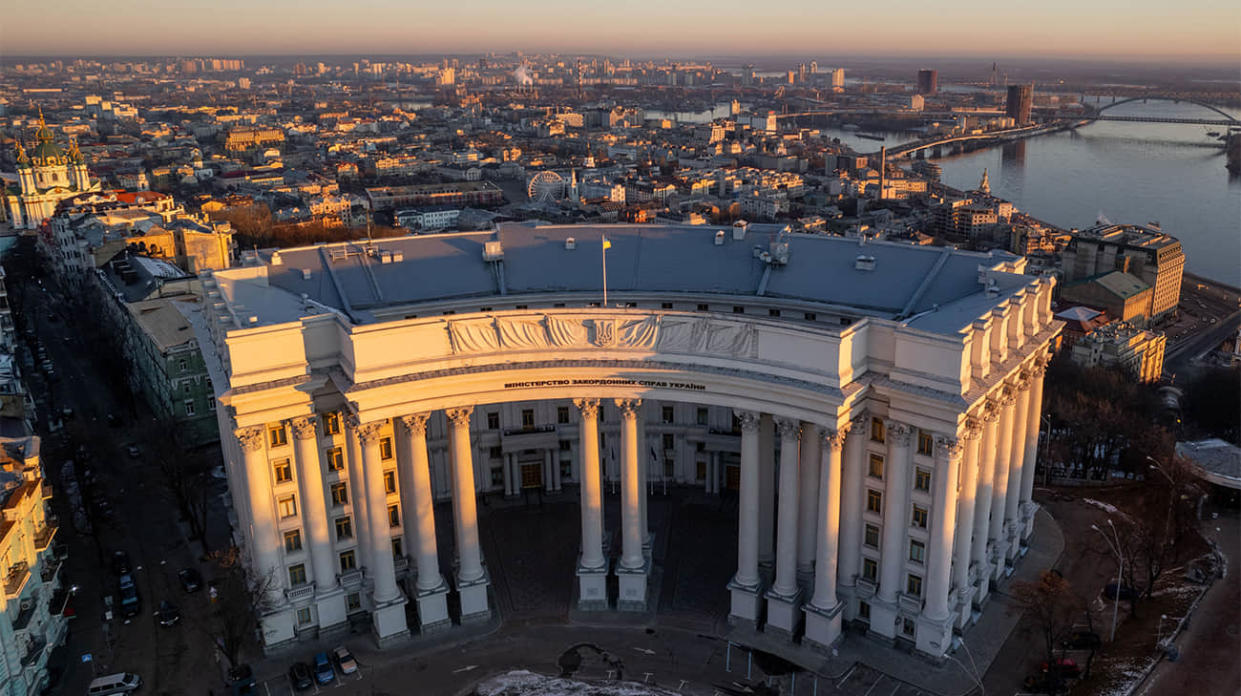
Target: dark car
(299,676)
(168,614)
(324,674)
(1082,640)
(131,603)
(191,580)
(120,563)
(1111,589)
(242,678)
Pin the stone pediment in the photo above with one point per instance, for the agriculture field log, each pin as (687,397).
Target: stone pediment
(654,332)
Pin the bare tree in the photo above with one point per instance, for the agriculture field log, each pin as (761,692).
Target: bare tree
(1052,607)
(239,598)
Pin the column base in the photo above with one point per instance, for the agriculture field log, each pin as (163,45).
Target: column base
(633,587)
(432,608)
(965,607)
(330,605)
(982,590)
(783,613)
(1013,532)
(592,587)
(883,618)
(823,627)
(934,636)
(747,603)
(475,607)
(388,622)
(1028,510)
(999,552)
(278,627)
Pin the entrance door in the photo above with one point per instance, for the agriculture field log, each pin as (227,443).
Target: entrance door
(532,473)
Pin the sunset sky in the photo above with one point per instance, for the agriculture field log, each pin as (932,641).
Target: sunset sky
(1208,29)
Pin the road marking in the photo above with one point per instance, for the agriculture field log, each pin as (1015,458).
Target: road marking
(265,688)
(846,676)
(872,686)
(898,688)
(466,668)
(645,651)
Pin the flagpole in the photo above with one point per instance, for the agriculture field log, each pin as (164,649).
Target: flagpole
(603,251)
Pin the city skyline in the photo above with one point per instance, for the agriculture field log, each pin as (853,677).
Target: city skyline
(1199,30)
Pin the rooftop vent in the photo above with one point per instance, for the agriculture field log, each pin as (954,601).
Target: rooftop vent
(493,251)
(864,263)
(739,229)
(570,244)
(276,259)
(398,256)
(993,290)
(719,238)
(253,319)
(305,274)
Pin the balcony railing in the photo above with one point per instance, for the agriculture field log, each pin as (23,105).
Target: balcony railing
(16,579)
(43,537)
(34,650)
(910,602)
(300,592)
(529,430)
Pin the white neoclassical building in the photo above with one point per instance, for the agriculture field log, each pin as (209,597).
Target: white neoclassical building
(875,407)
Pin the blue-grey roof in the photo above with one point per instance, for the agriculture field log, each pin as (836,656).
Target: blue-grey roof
(906,281)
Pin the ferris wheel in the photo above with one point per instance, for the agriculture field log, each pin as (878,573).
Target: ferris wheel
(545,186)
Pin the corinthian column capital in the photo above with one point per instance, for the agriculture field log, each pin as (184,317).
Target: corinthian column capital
(460,416)
(589,408)
(250,439)
(787,427)
(747,419)
(971,429)
(629,407)
(415,423)
(835,439)
(369,433)
(900,434)
(303,427)
(948,448)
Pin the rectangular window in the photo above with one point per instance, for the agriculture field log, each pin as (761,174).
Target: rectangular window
(926,445)
(497,476)
(872,536)
(913,585)
(335,458)
(187,386)
(870,569)
(773,312)
(863,610)
(566,446)
(703,308)
(181,365)
(495,452)
(396,547)
(702,416)
(919,517)
(353,602)
(667,414)
(189,408)
(287,506)
(810,316)
(669,441)
(922,479)
(340,493)
(394,516)
(875,468)
(493,420)
(293,540)
(917,551)
(277,436)
(297,575)
(344,528)
(303,616)
(348,561)
(876,429)
(331,423)
(738,309)
(283,471)
(211,403)
(665,305)
(562,414)
(389,481)
(908,627)
(385,448)
(874,501)
(527,418)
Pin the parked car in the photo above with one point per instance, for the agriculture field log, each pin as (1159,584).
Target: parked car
(299,676)
(120,563)
(344,660)
(1082,640)
(324,674)
(1111,589)
(127,589)
(191,579)
(242,678)
(1064,666)
(168,614)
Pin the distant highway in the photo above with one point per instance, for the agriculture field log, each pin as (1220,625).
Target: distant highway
(1194,347)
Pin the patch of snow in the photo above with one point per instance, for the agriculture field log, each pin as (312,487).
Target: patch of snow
(1108,507)
(525,683)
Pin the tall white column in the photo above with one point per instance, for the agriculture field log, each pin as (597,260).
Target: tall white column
(980,562)
(644,476)
(388,615)
(787,504)
(549,481)
(707,478)
(1012,513)
(895,509)
(264,543)
(359,493)
(934,635)
(419,510)
(808,503)
(966,498)
(746,584)
(995,534)
(1034,419)
(554,456)
(314,505)
(471,576)
(766,490)
(592,567)
(851,506)
(823,613)
(631,482)
(507,467)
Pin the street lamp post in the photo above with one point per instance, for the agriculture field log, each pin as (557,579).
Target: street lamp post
(1167,519)
(1119,572)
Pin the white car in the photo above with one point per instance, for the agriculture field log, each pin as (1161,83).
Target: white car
(344,660)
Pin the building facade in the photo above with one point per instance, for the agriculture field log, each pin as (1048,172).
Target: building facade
(46,176)
(1140,250)
(875,408)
